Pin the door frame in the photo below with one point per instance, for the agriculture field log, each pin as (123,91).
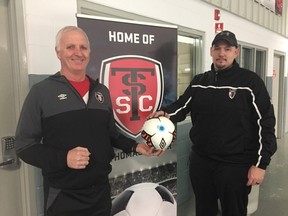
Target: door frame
(281,93)
(21,88)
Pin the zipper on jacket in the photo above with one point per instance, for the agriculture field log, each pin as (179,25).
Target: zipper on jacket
(216,76)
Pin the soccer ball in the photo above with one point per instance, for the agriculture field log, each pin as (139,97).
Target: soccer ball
(159,132)
(145,199)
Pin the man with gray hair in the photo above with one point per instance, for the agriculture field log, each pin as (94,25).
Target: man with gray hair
(67,129)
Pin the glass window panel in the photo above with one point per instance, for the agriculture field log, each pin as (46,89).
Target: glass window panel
(247,58)
(187,61)
(253,59)
(260,63)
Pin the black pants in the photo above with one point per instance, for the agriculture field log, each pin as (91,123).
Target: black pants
(93,201)
(212,180)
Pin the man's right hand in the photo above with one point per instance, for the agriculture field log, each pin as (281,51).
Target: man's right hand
(78,158)
(158,114)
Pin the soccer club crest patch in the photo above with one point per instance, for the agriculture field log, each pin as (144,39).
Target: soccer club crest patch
(136,87)
(99,97)
(232,93)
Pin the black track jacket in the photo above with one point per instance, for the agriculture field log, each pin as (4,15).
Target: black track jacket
(55,119)
(232,116)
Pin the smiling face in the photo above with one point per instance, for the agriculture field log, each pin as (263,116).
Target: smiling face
(223,55)
(74,54)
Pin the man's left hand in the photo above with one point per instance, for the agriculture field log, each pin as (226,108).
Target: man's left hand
(255,176)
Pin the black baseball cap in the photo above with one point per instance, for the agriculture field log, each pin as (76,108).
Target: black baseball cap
(226,36)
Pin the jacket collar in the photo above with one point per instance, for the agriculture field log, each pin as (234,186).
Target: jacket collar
(60,77)
(227,70)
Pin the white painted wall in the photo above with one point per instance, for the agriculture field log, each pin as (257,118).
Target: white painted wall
(44,18)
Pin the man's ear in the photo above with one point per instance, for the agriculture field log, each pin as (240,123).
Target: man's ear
(211,48)
(237,51)
(57,53)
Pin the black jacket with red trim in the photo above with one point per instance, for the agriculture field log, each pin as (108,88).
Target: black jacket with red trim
(55,119)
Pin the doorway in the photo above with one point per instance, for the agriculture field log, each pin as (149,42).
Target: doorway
(10,182)
(278,93)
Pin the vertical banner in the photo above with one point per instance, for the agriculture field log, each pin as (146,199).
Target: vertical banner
(137,61)
(278,7)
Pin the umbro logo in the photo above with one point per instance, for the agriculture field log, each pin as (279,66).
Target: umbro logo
(62,96)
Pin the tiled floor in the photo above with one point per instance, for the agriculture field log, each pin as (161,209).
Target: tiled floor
(273,196)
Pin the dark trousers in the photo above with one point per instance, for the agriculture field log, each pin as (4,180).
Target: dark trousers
(93,201)
(212,180)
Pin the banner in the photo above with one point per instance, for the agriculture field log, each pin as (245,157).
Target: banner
(273,5)
(137,61)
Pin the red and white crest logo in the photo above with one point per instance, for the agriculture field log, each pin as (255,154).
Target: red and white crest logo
(136,86)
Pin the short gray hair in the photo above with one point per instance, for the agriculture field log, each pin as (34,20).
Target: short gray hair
(67,29)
